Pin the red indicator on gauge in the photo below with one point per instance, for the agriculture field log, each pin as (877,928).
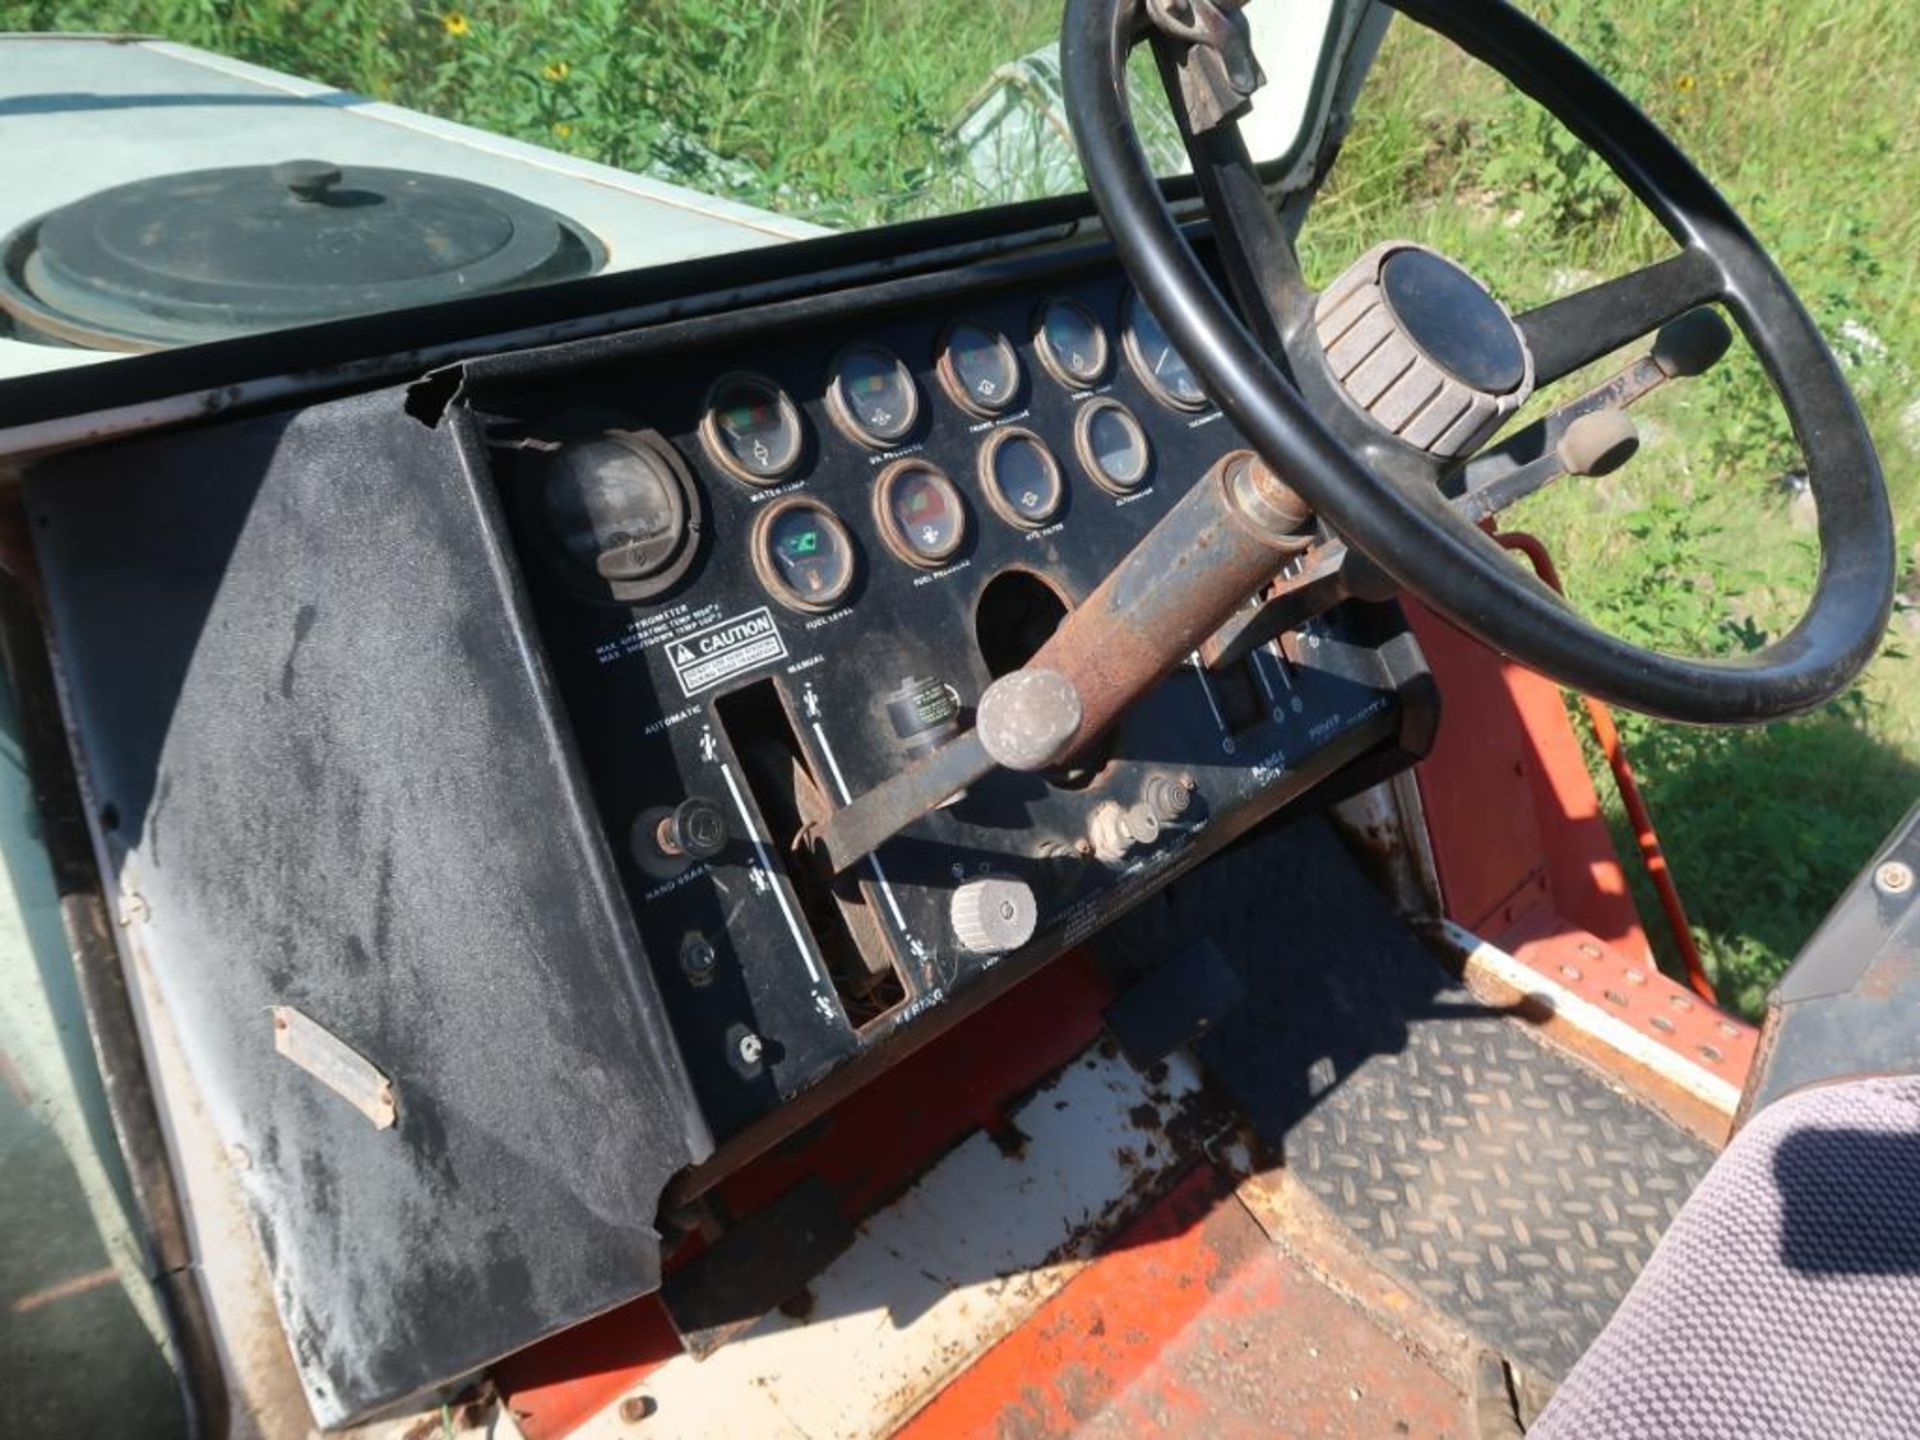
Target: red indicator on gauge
(920,513)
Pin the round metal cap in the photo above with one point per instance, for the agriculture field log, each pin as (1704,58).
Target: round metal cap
(993,915)
(1027,718)
(208,254)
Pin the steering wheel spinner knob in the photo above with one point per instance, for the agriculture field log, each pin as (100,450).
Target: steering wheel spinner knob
(1423,349)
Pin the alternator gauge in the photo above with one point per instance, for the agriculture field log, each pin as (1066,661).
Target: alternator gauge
(920,513)
(623,513)
(751,429)
(1021,478)
(1161,368)
(979,369)
(803,554)
(872,396)
(1072,344)
(1112,446)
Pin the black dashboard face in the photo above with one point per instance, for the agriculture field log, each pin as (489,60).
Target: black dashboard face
(888,509)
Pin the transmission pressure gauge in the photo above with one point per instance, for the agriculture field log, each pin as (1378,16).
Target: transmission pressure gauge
(1071,344)
(872,396)
(1161,368)
(920,514)
(751,429)
(803,554)
(979,370)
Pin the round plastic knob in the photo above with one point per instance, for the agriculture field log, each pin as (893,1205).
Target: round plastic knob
(993,915)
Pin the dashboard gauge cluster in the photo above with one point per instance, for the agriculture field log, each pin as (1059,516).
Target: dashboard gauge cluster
(774,565)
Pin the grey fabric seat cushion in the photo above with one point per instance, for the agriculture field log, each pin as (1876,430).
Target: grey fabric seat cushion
(1785,1299)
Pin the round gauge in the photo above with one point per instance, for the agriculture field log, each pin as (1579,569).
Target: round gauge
(921,515)
(751,429)
(1022,479)
(1071,344)
(979,369)
(872,396)
(803,554)
(1161,368)
(623,513)
(1112,446)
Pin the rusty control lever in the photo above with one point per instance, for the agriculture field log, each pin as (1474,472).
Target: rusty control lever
(1226,538)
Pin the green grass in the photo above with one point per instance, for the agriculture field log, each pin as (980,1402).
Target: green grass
(836,109)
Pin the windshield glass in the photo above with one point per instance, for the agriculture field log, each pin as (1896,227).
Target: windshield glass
(262,166)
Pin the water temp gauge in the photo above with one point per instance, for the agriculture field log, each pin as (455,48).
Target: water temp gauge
(1021,478)
(979,370)
(1161,368)
(1071,344)
(872,396)
(920,513)
(803,554)
(751,429)
(1112,446)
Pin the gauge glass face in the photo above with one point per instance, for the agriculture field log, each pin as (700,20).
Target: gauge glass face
(756,426)
(615,511)
(1073,342)
(922,513)
(1161,367)
(982,368)
(807,555)
(1114,446)
(1025,479)
(876,394)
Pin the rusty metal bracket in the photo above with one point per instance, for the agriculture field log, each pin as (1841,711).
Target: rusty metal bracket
(1217,70)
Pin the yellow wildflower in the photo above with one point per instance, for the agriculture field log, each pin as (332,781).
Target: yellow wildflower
(455,24)
(1686,82)
(557,71)
(561,129)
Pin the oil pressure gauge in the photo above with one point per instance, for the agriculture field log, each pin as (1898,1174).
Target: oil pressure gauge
(872,396)
(803,554)
(920,513)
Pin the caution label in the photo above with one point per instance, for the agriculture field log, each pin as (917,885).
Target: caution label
(727,648)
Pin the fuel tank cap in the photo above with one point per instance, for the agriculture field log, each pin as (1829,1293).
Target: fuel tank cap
(208,254)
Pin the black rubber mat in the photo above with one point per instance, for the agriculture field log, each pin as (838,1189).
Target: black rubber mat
(1516,1189)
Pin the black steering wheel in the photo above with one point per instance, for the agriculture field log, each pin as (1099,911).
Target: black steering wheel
(1375,479)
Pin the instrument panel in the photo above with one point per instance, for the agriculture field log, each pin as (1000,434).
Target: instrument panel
(771,570)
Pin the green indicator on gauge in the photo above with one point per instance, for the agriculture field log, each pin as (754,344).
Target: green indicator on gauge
(803,554)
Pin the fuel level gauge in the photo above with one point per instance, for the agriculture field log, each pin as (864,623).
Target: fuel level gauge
(803,554)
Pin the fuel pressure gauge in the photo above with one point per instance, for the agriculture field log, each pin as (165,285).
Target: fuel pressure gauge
(803,554)
(920,513)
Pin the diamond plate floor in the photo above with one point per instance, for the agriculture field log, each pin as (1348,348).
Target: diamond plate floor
(1515,1189)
